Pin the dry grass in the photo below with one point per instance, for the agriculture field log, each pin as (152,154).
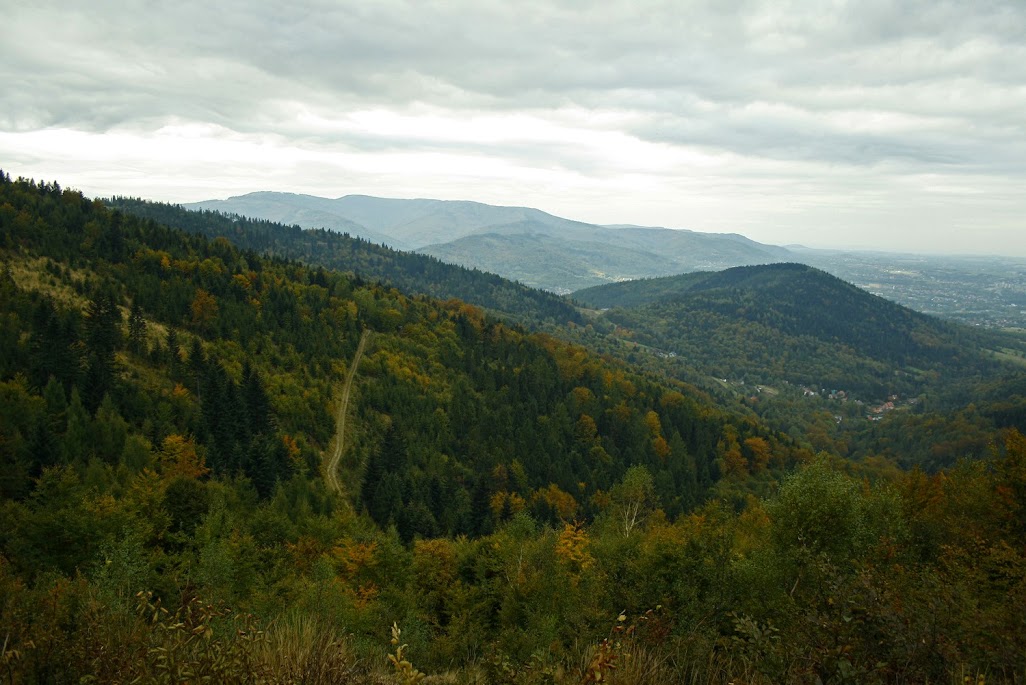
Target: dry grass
(30,273)
(298,649)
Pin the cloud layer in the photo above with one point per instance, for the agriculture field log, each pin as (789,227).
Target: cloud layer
(879,124)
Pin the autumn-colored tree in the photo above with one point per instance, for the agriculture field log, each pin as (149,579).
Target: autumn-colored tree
(178,458)
(572,549)
(204,309)
(562,504)
(729,451)
(661,447)
(758,452)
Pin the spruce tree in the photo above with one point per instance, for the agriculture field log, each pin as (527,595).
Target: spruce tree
(136,330)
(103,319)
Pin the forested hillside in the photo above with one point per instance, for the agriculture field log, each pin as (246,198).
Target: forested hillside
(791,322)
(412,273)
(524,510)
(845,370)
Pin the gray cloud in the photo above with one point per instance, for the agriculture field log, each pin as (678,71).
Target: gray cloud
(909,86)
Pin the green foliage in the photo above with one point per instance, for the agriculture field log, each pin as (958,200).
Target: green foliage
(818,358)
(822,511)
(789,322)
(506,494)
(412,273)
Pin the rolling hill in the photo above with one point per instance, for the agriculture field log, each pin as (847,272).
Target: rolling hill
(791,322)
(520,243)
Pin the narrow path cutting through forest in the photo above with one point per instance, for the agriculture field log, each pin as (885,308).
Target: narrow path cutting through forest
(331,474)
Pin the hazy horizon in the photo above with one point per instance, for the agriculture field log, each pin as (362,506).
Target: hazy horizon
(891,126)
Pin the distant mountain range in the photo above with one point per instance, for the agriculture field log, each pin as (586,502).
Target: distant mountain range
(410,272)
(529,245)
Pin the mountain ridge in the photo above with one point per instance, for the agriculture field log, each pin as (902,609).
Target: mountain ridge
(413,273)
(781,321)
(456,230)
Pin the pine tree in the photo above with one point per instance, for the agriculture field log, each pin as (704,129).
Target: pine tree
(54,349)
(258,407)
(103,319)
(174,353)
(197,365)
(136,330)
(78,439)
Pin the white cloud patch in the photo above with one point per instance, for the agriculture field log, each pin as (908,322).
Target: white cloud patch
(878,123)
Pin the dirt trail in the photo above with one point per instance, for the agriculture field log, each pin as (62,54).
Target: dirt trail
(331,471)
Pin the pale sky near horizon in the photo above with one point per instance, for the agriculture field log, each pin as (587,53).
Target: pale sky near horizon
(890,125)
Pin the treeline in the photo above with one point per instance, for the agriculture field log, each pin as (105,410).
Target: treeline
(409,272)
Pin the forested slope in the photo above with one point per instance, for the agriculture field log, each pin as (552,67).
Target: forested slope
(526,511)
(411,273)
(791,322)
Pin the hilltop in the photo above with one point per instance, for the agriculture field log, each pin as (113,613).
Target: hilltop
(784,322)
(817,356)
(520,243)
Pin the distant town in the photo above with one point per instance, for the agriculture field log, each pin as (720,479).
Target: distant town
(977,291)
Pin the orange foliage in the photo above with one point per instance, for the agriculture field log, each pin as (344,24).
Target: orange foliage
(304,552)
(353,558)
(572,549)
(758,451)
(661,447)
(355,561)
(291,447)
(560,501)
(734,463)
(178,457)
(204,307)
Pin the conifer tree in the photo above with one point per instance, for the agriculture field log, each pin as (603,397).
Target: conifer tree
(257,405)
(103,321)
(54,349)
(174,352)
(136,330)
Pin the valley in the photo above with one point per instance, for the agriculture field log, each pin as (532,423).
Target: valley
(978,291)
(486,343)
(669,472)
(560,255)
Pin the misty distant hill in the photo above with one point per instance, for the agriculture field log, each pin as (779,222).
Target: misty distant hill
(307,211)
(522,243)
(403,224)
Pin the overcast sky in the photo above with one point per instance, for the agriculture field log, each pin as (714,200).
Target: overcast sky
(895,124)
